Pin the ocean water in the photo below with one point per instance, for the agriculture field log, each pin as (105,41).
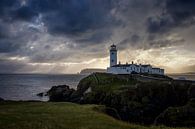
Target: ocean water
(186,76)
(26,86)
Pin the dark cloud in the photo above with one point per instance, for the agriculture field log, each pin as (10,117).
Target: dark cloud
(14,38)
(8,47)
(7,4)
(7,44)
(24,13)
(176,13)
(6,8)
(163,43)
(74,16)
(3,32)
(180,10)
(71,17)
(159,24)
(47,31)
(131,41)
(97,37)
(135,38)
(122,45)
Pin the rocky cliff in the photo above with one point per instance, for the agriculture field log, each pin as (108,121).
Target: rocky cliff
(143,99)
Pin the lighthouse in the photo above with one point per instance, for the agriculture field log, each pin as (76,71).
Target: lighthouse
(113,55)
(129,68)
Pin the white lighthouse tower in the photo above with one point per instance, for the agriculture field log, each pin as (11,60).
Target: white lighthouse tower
(129,68)
(113,55)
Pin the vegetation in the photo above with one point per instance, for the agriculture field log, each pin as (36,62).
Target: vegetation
(135,98)
(179,116)
(61,115)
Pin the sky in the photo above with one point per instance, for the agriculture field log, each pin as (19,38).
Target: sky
(65,36)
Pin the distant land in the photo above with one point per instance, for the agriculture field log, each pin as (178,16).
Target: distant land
(181,73)
(92,70)
(189,73)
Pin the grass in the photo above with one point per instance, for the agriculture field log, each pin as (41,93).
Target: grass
(111,83)
(48,115)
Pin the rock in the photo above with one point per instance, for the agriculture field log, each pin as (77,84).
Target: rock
(178,116)
(40,94)
(60,93)
(127,98)
(134,100)
(191,91)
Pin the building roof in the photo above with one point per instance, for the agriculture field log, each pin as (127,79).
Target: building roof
(124,65)
(155,68)
(128,65)
(146,65)
(113,45)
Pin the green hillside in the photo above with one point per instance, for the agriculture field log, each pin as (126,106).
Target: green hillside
(61,115)
(141,99)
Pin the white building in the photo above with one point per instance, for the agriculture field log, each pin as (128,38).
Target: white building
(129,68)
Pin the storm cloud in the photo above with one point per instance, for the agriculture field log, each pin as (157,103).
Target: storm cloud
(77,33)
(176,13)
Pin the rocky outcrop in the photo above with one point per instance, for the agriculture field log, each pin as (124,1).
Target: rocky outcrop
(60,93)
(191,91)
(147,100)
(63,93)
(137,101)
(129,98)
(178,116)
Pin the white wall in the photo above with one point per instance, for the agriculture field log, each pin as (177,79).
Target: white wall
(113,57)
(123,70)
(137,69)
(158,71)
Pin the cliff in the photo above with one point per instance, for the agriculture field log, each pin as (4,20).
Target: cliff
(136,98)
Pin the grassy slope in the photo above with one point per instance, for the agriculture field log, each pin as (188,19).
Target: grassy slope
(108,82)
(40,115)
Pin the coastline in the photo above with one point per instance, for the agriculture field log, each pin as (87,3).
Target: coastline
(127,97)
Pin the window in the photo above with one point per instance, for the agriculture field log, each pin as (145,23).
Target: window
(112,53)
(112,60)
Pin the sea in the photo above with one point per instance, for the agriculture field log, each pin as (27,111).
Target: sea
(27,86)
